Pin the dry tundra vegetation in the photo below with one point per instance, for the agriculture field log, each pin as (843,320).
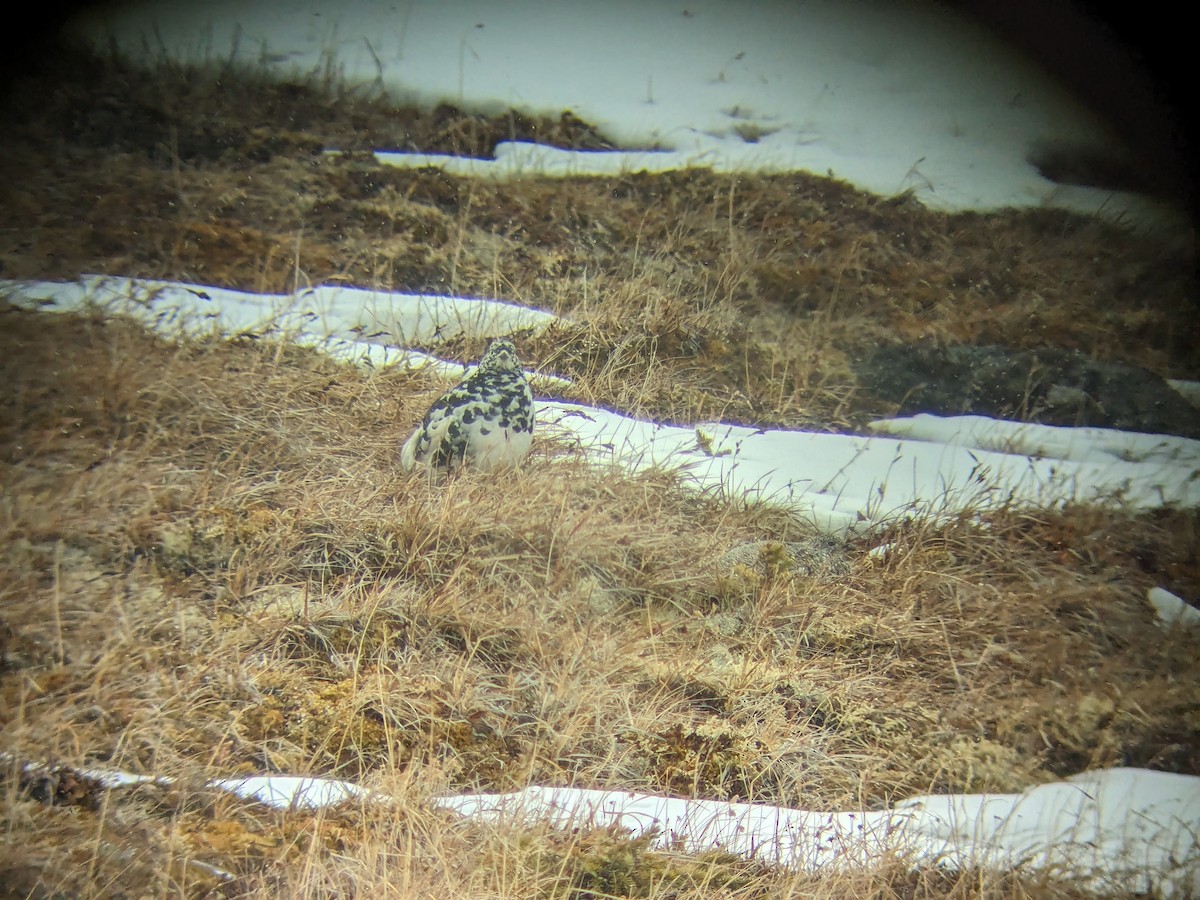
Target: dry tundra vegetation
(212,566)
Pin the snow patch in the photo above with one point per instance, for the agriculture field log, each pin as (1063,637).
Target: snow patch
(348,323)
(1172,611)
(1128,830)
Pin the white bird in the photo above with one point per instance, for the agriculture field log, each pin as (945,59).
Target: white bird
(483,422)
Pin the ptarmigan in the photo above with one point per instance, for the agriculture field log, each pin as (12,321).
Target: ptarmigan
(484,422)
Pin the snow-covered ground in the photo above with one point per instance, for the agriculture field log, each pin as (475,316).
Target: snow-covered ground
(898,96)
(889,96)
(1114,830)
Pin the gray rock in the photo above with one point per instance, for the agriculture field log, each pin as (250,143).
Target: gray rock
(819,557)
(1052,387)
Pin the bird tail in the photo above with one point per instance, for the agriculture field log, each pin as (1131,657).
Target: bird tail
(408,452)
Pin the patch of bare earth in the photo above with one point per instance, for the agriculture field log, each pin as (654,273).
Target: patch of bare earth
(212,566)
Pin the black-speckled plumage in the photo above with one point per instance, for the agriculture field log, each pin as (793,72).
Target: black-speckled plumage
(483,422)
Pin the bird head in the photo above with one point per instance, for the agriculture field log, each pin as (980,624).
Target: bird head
(501,356)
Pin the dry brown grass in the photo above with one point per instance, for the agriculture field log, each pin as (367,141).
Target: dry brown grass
(212,566)
(743,296)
